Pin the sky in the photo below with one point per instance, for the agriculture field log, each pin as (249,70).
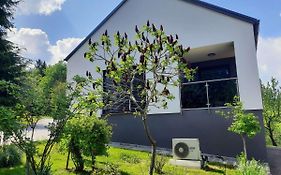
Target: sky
(51,29)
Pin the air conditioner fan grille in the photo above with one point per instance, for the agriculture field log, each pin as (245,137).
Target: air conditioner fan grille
(181,150)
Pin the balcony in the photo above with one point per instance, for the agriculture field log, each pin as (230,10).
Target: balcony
(208,93)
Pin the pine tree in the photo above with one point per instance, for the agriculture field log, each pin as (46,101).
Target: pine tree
(12,65)
(41,67)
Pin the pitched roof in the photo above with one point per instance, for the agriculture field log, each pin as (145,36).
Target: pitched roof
(200,3)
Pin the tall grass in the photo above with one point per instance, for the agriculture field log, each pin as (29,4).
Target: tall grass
(250,167)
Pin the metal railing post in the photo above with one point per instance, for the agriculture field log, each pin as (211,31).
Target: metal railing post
(237,87)
(207,94)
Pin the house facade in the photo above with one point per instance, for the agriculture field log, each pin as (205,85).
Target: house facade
(223,49)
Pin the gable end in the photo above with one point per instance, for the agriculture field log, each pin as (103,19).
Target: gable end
(200,3)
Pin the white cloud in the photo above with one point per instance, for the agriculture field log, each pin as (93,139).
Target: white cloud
(35,45)
(45,7)
(33,42)
(269,58)
(63,48)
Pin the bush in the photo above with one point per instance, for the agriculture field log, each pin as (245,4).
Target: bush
(251,167)
(108,169)
(9,156)
(86,136)
(160,162)
(130,158)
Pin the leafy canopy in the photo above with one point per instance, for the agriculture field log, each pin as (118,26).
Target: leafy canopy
(141,72)
(272,101)
(245,124)
(12,64)
(271,95)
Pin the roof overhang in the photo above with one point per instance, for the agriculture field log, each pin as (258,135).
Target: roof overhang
(218,51)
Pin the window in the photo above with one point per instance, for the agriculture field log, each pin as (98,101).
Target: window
(211,73)
(115,103)
(221,92)
(205,94)
(214,84)
(120,102)
(194,95)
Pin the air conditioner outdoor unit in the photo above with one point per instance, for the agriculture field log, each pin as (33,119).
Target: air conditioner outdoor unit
(186,149)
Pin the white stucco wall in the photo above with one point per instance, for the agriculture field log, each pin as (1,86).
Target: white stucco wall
(196,26)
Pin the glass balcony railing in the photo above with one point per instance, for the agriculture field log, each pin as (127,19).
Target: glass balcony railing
(210,93)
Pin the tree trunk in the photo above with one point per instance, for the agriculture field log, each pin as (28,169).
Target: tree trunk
(67,160)
(153,157)
(1,138)
(153,144)
(30,166)
(27,166)
(93,161)
(244,146)
(272,137)
(76,156)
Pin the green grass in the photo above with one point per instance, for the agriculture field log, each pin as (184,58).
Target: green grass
(115,156)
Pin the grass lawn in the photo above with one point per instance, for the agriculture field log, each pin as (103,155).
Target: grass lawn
(128,162)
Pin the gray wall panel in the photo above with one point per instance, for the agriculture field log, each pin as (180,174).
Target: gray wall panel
(206,125)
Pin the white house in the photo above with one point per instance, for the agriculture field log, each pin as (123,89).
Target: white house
(223,47)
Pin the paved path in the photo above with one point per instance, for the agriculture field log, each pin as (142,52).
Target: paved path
(274,160)
(41,132)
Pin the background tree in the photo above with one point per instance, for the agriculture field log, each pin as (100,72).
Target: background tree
(12,64)
(33,104)
(271,95)
(25,99)
(85,134)
(243,124)
(141,72)
(26,114)
(41,67)
(53,75)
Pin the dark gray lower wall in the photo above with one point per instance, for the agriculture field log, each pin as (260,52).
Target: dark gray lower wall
(206,125)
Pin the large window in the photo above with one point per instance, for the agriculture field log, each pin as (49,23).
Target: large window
(214,84)
(212,73)
(205,94)
(120,102)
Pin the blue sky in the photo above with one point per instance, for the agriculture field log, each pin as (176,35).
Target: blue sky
(67,22)
(50,29)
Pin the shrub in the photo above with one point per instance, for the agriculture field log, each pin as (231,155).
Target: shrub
(9,156)
(76,155)
(160,162)
(130,158)
(86,136)
(251,167)
(108,169)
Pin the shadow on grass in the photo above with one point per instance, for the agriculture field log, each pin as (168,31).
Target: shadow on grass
(88,163)
(221,165)
(72,170)
(208,168)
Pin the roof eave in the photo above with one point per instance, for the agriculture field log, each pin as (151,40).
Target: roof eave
(255,22)
(256,32)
